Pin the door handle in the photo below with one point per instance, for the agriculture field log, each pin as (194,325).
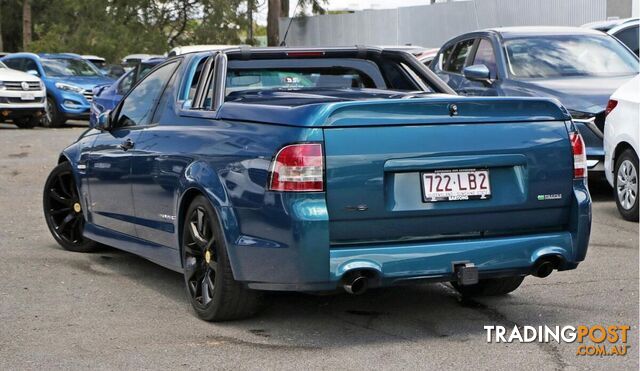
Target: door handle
(127,144)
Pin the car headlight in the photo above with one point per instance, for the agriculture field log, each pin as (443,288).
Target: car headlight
(69,87)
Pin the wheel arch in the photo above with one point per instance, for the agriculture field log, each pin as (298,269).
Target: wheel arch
(620,147)
(227,222)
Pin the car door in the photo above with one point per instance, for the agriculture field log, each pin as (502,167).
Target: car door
(483,53)
(162,160)
(109,163)
(453,64)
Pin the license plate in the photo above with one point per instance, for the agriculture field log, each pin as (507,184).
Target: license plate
(27,96)
(456,185)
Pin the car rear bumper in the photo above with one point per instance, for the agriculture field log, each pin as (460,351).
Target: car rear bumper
(313,265)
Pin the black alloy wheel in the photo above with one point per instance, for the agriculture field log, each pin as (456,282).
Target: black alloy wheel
(200,259)
(210,286)
(63,210)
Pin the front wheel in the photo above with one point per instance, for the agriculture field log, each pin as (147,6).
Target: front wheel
(212,291)
(53,118)
(626,185)
(63,212)
(490,286)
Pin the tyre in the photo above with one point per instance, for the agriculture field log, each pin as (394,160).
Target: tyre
(625,189)
(490,287)
(53,117)
(28,122)
(212,291)
(63,212)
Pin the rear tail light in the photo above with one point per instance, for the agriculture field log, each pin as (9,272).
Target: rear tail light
(610,106)
(298,168)
(579,156)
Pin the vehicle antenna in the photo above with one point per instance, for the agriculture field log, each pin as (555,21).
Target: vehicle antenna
(284,38)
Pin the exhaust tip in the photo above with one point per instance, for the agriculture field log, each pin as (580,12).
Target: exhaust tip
(357,285)
(544,269)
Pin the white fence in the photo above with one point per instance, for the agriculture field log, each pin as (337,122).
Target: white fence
(432,25)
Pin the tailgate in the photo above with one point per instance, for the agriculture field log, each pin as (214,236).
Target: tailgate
(376,180)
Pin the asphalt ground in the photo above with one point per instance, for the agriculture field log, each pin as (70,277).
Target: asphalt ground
(113,310)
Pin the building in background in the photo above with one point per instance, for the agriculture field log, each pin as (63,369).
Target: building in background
(431,25)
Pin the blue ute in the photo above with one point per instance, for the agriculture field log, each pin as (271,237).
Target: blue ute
(323,169)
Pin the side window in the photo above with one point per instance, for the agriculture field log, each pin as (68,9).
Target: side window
(485,55)
(138,107)
(126,83)
(195,79)
(14,63)
(459,56)
(629,37)
(444,57)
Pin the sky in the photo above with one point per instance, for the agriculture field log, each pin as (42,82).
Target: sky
(350,5)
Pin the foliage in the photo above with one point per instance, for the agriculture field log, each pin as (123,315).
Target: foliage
(115,28)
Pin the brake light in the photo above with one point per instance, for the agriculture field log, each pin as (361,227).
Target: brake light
(305,54)
(579,156)
(298,168)
(610,106)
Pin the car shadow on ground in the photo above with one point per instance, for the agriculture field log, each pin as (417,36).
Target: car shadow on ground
(389,314)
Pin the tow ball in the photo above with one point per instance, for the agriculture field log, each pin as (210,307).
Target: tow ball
(466,273)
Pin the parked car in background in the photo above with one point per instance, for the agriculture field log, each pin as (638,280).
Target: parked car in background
(179,50)
(629,34)
(319,169)
(106,97)
(99,62)
(608,24)
(69,81)
(621,147)
(426,56)
(578,66)
(132,60)
(114,71)
(22,97)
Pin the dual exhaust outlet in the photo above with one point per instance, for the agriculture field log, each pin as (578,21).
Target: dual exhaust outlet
(357,283)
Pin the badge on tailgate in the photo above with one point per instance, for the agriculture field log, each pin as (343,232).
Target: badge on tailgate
(455,185)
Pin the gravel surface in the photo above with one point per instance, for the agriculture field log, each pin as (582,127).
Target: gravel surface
(113,310)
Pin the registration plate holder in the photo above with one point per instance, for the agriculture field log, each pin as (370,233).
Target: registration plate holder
(27,96)
(455,185)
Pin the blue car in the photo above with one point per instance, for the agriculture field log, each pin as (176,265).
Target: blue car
(578,66)
(105,97)
(323,169)
(69,80)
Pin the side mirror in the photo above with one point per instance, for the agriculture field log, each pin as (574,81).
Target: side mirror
(33,73)
(103,122)
(477,72)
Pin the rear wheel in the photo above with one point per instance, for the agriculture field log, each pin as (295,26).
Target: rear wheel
(63,211)
(212,291)
(28,122)
(490,287)
(53,118)
(626,185)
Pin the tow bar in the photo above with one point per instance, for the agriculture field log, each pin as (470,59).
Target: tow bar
(466,273)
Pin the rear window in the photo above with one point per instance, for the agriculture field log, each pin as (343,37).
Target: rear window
(321,74)
(297,78)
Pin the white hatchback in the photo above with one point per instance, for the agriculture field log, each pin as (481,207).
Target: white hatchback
(621,147)
(23,97)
